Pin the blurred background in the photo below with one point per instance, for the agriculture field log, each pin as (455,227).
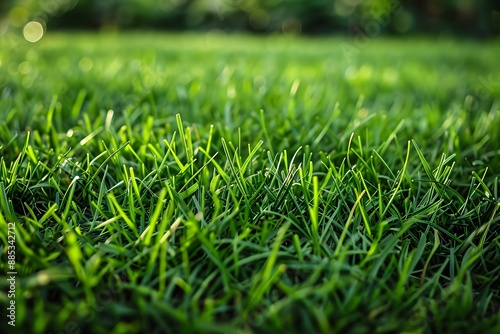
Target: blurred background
(479,19)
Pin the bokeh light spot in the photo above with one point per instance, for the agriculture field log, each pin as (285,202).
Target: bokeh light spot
(363,113)
(351,73)
(365,73)
(390,76)
(403,22)
(231,92)
(33,31)
(18,15)
(259,19)
(291,25)
(4,25)
(24,68)
(85,64)
(345,8)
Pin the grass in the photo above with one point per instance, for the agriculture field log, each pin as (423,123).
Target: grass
(209,183)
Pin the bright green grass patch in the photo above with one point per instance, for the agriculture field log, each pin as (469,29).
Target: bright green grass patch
(208,183)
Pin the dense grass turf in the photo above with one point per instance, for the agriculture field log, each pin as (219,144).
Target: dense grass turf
(214,184)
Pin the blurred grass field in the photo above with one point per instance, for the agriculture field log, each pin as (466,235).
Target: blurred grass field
(214,183)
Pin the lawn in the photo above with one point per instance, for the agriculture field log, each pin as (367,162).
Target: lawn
(224,184)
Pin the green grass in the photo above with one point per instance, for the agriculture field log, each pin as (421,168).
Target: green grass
(206,183)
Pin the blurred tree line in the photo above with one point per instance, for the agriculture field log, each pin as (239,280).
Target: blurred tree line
(479,18)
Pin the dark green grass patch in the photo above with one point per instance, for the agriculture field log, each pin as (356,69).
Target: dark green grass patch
(218,184)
